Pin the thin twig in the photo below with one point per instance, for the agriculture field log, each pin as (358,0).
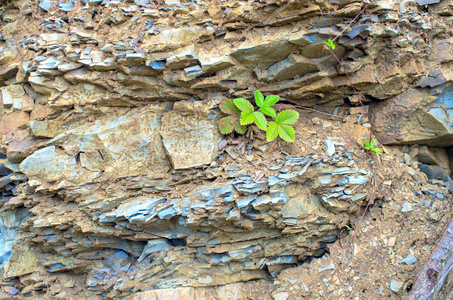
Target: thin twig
(350,23)
(158,3)
(350,81)
(366,208)
(393,137)
(307,108)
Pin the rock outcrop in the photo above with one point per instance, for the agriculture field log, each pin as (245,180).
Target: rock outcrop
(113,181)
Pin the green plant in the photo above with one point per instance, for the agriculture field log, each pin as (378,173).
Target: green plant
(241,112)
(330,44)
(281,127)
(348,228)
(231,121)
(372,145)
(248,113)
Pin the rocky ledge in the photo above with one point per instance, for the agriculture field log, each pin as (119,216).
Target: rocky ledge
(115,179)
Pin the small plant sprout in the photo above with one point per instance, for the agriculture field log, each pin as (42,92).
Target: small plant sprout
(232,120)
(371,145)
(281,127)
(241,112)
(330,44)
(348,228)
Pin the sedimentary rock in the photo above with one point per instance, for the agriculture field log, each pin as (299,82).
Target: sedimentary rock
(112,173)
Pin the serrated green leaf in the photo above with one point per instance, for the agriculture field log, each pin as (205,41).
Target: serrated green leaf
(287,117)
(377,150)
(225,125)
(259,98)
(272,131)
(268,111)
(271,100)
(247,117)
(373,143)
(240,128)
(243,104)
(228,107)
(286,132)
(367,145)
(260,120)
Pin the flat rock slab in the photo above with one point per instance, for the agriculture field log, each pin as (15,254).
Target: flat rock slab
(190,140)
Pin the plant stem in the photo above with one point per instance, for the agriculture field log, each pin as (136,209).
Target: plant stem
(350,23)
(350,81)
(366,208)
(393,137)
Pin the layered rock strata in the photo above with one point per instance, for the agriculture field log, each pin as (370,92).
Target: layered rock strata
(111,177)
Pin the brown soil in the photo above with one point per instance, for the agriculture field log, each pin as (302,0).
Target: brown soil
(363,266)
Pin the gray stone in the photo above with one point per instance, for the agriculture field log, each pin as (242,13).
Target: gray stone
(396,286)
(355,31)
(412,122)
(135,210)
(434,172)
(330,148)
(66,67)
(153,246)
(265,50)
(49,164)
(10,94)
(357,180)
(433,78)
(410,259)
(293,65)
(9,225)
(426,2)
(331,266)
(189,140)
(406,207)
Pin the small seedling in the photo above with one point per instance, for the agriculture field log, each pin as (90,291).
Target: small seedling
(232,121)
(348,228)
(330,44)
(241,112)
(281,127)
(248,115)
(371,145)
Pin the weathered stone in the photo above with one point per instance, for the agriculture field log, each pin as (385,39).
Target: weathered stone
(108,209)
(126,146)
(9,221)
(266,49)
(293,65)
(11,95)
(13,121)
(190,141)
(175,38)
(24,260)
(20,145)
(431,127)
(301,204)
(48,163)
(183,57)
(81,94)
(240,290)
(396,286)
(50,39)
(213,61)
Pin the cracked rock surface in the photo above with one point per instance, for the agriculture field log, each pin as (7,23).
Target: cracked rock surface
(116,183)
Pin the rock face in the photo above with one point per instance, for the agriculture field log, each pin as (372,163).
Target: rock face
(112,180)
